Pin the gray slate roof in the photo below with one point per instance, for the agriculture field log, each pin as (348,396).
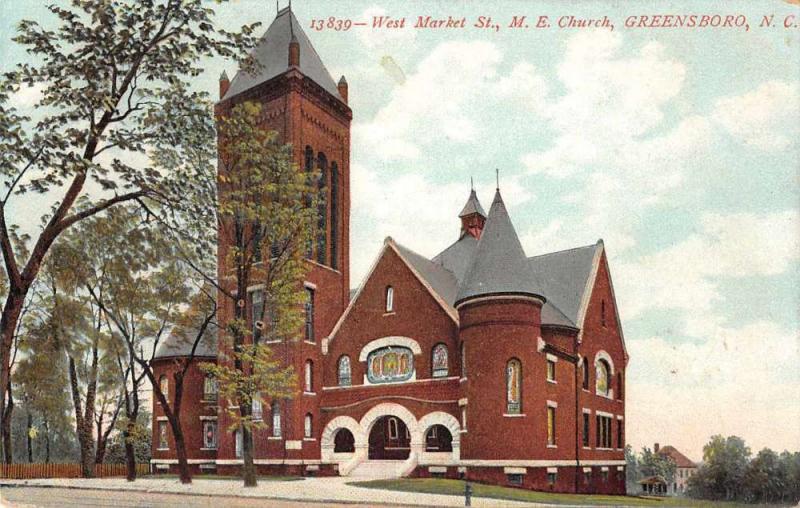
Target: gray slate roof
(499,264)
(442,280)
(564,276)
(272,52)
(561,277)
(472,206)
(180,344)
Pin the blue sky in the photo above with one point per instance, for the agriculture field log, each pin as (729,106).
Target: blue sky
(678,147)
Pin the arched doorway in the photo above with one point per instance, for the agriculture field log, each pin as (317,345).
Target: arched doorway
(438,439)
(343,441)
(389,439)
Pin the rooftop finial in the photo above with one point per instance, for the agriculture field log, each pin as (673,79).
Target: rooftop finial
(471,184)
(497,177)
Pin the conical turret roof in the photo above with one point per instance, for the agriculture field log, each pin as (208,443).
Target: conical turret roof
(499,265)
(472,206)
(271,53)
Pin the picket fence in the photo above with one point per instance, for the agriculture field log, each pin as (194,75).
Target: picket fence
(30,471)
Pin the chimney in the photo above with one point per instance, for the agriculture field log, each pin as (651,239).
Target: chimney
(342,86)
(656,448)
(294,52)
(224,84)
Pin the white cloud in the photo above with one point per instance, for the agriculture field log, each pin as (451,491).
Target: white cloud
(741,381)
(28,96)
(416,211)
(443,100)
(684,275)
(766,118)
(611,145)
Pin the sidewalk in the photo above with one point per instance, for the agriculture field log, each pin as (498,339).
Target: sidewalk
(312,490)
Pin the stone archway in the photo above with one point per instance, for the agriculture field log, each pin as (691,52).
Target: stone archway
(451,424)
(390,409)
(327,441)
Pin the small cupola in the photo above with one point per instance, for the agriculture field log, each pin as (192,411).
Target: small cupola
(224,84)
(342,87)
(472,217)
(499,266)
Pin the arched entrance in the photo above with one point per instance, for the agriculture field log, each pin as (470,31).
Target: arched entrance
(438,439)
(343,441)
(389,439)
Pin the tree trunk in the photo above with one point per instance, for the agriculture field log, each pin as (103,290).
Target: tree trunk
(46,426)
(130,458)
(83,425)
(28,437)
(180,448)
(8,327)
(248,467)
(100,447)
(8,456)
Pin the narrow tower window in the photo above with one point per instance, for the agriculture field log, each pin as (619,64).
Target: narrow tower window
(310,315)
(276,419)
(309,376)
(513,386)
(389,299)
(334,215)
(322,209)
(345,376)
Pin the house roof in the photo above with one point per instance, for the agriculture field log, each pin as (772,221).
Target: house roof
(272,55)
(680,459)
(472,206)
(181,340)
(499,265)
(564,276)
(497,262)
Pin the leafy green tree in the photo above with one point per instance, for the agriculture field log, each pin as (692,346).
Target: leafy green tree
(763,480)
(657,464)
(116,79)
(632,471)
(721,475)
(265,219)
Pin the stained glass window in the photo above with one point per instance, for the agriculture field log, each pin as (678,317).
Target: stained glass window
(390,364)
(439,360)
(210,389)
(162,436)
(345,376)
(551,426)
(209,434)
(513,387)
(602,371)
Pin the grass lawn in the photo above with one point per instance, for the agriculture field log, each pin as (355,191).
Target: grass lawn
(456,488)
(229,477)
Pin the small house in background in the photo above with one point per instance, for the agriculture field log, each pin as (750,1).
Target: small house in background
(653,486)
(685,469)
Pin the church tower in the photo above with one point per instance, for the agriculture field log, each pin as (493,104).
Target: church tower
(302,102)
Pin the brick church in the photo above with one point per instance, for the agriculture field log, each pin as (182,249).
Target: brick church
(480,363)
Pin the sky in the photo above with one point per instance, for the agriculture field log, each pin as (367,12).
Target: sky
(678,147)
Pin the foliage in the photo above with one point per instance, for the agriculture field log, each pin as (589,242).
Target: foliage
(263,219)
(657,464)
(115,81)
(729,473)
(632,472)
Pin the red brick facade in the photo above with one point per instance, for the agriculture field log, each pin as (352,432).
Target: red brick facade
(487,442)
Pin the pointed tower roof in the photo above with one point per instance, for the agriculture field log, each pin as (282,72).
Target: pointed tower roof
(472,206)
(271,52)
(498,265)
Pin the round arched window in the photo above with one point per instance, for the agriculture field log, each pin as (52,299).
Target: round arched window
(603,372)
